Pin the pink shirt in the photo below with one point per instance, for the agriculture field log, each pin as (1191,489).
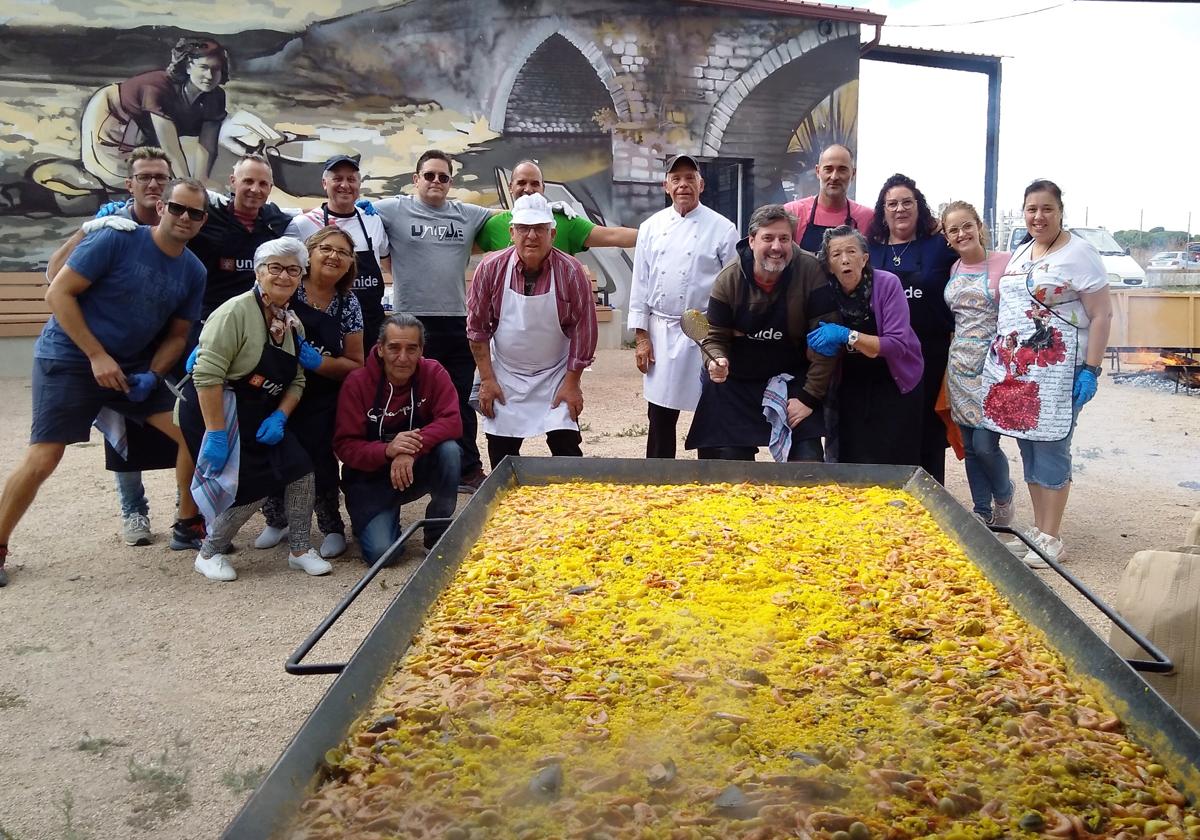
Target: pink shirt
(576,306)
(860,214)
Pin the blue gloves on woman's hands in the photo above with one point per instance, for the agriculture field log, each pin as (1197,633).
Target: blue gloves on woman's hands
(827,339)
(141,385)
(214,452)
(365,205)
(1085,388)
(310,357)
(271,430)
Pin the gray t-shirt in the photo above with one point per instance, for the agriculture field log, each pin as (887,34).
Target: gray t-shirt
(430,250)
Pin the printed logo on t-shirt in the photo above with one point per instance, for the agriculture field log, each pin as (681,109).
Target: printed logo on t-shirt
(440,233)
(257,380)
(768,334)
(234,264)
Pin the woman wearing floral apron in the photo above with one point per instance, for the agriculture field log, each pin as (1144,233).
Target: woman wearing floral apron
(972,293)
(1044,362)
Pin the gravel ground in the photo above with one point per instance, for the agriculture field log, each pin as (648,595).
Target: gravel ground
(138,700)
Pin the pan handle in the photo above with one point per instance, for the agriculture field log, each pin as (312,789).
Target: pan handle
(1159,662)
(294,664)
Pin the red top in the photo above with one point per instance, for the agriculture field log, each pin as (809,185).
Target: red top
(155,93)
(576,306)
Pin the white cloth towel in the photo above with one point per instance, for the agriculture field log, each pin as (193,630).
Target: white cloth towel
(214,495)
(112,425)
(774,404)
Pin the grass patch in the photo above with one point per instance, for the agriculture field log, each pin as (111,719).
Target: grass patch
(66,809)
(5,834)
(97,746)
(585,427)
(243,781)
(161,785)
(9,699)
(636,430)
(24,650)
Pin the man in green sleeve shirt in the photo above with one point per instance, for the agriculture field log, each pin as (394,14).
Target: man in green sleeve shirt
(570,235)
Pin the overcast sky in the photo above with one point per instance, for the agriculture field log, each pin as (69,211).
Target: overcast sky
(1101,97)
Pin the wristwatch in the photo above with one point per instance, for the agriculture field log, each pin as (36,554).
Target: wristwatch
(852,339)
(1095,370)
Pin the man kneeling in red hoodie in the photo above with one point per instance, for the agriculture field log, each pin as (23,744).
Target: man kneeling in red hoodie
(397,427)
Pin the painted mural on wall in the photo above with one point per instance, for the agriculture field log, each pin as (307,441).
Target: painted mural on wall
(598,91)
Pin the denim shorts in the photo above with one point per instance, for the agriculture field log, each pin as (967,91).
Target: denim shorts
(1047,463)
(67,398)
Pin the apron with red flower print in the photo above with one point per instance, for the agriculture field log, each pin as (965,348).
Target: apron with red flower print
(1030,367)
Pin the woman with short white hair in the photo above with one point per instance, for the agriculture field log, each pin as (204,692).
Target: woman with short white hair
(247,378)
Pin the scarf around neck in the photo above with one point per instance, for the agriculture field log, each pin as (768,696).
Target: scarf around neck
(279,318)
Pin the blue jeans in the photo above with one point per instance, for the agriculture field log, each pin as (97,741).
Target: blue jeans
(437,474)
(132,494)
(987,469)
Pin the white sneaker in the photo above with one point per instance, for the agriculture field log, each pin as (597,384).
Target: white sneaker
(136,529)
(1019,548)
(270,537)
(1002,512)
(215,568)
(334,545)
(1052,547)
(310,562)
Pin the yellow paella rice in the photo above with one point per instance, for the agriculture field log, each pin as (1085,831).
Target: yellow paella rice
(732,661)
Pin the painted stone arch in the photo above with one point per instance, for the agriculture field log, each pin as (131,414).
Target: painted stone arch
(551,35)
(773,95)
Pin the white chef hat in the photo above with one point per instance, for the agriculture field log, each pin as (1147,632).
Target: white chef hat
(532,209)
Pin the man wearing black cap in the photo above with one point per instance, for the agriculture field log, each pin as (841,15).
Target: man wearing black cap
(680,250)
(342,183)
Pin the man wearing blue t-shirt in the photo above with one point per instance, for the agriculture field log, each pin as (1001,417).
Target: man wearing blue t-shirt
(122,307)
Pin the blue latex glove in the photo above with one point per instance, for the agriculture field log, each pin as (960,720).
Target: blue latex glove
(1084,390)
(191,359)
(141,385)
(365,205)
(111,209)
(827,339)
(310,357)
(214,452)
(271,430)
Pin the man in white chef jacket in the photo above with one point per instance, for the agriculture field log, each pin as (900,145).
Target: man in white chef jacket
(531,324)
(680,251)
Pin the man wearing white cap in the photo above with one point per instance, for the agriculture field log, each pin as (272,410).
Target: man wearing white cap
(680,251)
(531,322)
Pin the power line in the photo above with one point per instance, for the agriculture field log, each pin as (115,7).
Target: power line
(981,20)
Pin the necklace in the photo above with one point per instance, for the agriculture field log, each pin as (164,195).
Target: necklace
(1048,250)
(897,258)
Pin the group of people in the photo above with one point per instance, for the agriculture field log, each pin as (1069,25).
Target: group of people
(249,346)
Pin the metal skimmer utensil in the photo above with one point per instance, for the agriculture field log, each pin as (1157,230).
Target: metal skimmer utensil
(695,327)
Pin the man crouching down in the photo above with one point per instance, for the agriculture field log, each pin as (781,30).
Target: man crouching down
(397,427)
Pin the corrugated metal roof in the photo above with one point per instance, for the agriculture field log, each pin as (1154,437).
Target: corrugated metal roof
(797,8)
(934,51)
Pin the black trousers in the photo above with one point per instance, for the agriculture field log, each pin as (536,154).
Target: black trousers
(446,343)
(560,441)
(808,449)
(660,438)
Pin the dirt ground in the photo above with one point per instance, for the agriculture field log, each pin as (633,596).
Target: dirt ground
(139,700)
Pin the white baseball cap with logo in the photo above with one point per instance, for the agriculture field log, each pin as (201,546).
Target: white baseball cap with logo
(532,209)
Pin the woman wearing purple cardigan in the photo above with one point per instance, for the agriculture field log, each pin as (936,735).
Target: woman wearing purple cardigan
(879,387)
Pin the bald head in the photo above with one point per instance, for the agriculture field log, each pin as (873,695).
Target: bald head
(835,171)
(526,180)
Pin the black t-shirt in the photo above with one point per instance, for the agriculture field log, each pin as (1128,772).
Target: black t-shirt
(227,248)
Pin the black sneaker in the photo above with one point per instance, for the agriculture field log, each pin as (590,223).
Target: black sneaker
(3,573)
(468,484)
(187,534)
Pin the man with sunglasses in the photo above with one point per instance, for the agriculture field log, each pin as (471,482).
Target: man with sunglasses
(122,307)
(431,237)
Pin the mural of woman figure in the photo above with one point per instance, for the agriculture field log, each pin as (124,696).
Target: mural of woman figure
(157,108)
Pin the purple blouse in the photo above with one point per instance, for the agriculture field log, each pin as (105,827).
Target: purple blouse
(898,343)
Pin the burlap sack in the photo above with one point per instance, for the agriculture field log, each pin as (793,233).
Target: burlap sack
(1160,596)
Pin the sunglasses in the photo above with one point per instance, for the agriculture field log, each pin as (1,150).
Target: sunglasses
(196,214)
(440,177)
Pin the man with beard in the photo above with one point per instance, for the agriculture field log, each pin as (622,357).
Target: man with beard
(831,206)
(762,308)
(680,249)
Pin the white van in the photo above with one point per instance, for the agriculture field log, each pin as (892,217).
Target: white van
(1122,269)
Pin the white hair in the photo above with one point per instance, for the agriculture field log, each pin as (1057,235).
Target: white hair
(285,246)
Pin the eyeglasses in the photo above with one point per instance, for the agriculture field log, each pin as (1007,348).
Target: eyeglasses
(326,250)
(902,204)
(196,214)
(146,178)
(440,177)
(526,230)
(275,269)
(965,227)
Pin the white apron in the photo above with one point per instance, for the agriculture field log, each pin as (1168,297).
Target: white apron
(529,357)
(1029,371)
(674,379)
